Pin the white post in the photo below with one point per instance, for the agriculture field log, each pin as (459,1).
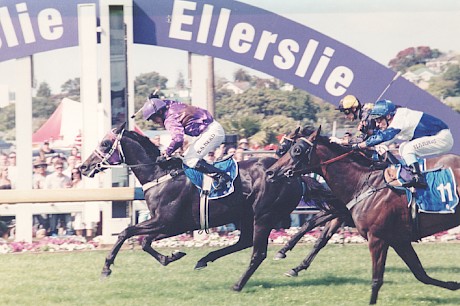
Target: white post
(24,144)
(87,36)
(199,81)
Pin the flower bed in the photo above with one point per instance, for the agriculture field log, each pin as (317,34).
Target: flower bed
(213,239)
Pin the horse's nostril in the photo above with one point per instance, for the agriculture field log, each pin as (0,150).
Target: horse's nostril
(270,173)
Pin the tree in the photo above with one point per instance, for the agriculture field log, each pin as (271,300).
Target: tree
(241,75)
(71,89)
(413,56)
(43,90)
(180,82)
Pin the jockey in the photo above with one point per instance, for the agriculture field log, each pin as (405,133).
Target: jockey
(353,110)
(422,135)
(182,119)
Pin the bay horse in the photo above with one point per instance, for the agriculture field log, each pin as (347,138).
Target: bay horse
(380,213)
(255,206)
(331,218)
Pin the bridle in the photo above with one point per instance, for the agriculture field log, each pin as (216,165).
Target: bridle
(302,152)
(110,159)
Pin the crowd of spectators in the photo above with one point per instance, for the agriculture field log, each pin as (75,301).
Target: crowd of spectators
(51,169)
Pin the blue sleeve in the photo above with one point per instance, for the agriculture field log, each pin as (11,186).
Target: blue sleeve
(382,136)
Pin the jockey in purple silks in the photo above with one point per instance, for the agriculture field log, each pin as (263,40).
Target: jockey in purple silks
(181,119)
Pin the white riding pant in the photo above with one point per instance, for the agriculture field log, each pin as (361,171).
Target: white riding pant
(207,142)
(440,143)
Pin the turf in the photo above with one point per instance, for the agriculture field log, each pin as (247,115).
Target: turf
(341,275)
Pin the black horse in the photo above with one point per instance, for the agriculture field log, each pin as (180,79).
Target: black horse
(174,202)
(331,217)
(380,213)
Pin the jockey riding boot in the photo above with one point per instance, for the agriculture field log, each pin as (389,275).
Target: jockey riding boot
(418,180)
(218,175)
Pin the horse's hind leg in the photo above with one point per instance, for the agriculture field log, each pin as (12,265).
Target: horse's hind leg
(407,253)
(244,241)
(162,259)
(329,230)
(316,221)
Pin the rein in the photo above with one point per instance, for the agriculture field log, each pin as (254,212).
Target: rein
(324,163)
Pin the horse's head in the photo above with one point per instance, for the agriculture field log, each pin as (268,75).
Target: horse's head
(107,153)
(298,159)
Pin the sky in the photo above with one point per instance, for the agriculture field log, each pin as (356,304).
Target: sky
(377,28)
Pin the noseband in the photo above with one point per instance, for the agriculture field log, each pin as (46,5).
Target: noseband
(110,159)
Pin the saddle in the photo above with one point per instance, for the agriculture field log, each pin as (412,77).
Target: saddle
(440,196)
(229,165)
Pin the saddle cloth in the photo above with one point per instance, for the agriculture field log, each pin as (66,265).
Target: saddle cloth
(230,166)
(440,196)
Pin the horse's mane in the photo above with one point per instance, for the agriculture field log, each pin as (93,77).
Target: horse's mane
(150,148)
(153,151)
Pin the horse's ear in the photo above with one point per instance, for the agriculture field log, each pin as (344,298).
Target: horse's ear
(121,127)
(297,130)
(315,134)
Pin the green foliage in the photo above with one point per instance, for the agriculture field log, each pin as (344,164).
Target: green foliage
(71,89)
(43,90)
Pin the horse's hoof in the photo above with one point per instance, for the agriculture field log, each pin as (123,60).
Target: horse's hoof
(279,256)
(105,274)
(200,265)
(237,288)
(177,255)
(291,273)
(453,285)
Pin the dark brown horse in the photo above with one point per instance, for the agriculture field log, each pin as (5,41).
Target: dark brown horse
(332,218)
(255,206)
(381,214)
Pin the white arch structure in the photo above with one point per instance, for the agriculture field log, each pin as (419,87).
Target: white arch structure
(227,29)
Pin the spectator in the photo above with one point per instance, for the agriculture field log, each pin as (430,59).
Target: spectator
(77,182)
(243,144)
(45,150)
(4,231)
(75,152)
(12,169)
(39,176)
(57,179)
(156,140)
(72,161)
(5,183)
(239,155)
(3,159)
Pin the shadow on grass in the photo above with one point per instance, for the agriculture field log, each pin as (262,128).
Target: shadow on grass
(449,270)
(301,282)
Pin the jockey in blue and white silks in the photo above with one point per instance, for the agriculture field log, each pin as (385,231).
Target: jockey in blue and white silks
(421,134)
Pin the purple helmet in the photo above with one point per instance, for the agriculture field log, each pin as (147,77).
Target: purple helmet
(151,107)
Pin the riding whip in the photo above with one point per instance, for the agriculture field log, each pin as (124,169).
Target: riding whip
(133,116)
(389,84)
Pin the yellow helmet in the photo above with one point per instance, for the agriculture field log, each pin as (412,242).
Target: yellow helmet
(348,102)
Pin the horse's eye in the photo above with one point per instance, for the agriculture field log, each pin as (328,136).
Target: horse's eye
(297,150)
(106,144)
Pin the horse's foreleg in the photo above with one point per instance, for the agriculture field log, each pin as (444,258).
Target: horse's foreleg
(379,251)
(162,259)
(407,253)
(329,230)
(244,241)
(318,220)
(110,259)
(259,254)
